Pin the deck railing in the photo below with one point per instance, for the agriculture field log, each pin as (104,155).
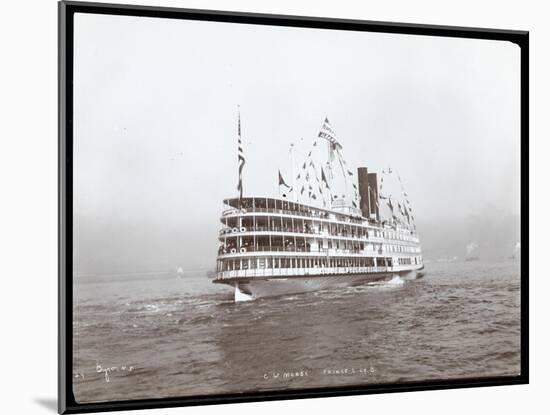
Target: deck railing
(306,214)
(289,229)
(298,249)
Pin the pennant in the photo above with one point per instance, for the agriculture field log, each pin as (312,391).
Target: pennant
(324,178)
(282,182)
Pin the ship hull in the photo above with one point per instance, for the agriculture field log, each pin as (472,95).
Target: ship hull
(255,288)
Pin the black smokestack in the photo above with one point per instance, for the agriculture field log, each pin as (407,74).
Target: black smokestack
(368,192)
(373,186)
(363,179)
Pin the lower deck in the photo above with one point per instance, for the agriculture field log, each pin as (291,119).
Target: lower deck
(250,288)
(263,273)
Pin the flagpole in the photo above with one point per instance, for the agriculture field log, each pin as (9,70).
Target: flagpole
(292,162)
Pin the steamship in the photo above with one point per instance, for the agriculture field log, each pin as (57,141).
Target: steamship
(273,246)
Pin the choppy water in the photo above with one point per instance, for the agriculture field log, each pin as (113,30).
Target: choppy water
(177,337)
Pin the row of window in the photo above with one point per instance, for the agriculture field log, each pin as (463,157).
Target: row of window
(280,224)
(290,244)
(275,263)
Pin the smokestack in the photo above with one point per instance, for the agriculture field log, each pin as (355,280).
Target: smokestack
(373,185)
(363,179)
(368,192)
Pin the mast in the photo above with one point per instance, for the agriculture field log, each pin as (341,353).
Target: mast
(329,173)
(292,163)
(331,140)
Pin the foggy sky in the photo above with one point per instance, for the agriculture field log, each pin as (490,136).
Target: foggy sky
(155,115)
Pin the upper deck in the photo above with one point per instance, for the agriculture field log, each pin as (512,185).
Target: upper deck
(255,225)
(270,214)
(271,206)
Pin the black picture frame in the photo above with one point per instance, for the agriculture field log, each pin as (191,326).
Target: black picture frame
(67,10)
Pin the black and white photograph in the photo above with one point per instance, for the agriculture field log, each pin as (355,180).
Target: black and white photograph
(263,208)
(278,207)
(258,206)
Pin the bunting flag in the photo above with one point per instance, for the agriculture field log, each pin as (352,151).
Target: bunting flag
(324,178)
(241,160)
(390,204)
(282,182)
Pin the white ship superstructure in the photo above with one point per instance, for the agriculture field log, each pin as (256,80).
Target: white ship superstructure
(273,246)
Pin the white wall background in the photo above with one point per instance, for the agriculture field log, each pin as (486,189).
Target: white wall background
(28,208)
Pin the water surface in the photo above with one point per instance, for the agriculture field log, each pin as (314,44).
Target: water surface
(168,337)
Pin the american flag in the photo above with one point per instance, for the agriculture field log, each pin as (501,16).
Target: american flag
(241,160)
(328,134)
